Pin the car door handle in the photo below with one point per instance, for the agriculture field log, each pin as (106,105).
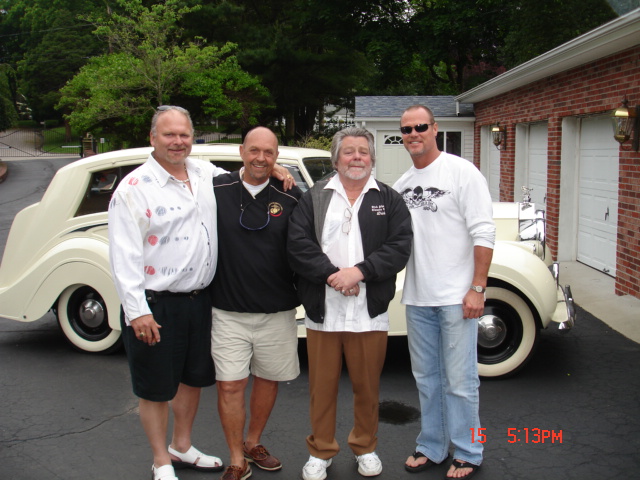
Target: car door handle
(606,215)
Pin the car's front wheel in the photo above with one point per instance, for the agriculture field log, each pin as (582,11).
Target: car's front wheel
(507,334)
(83,317)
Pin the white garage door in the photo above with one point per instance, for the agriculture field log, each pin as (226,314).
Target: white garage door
(392,159)
(493,173)
(598,195)
(537,165)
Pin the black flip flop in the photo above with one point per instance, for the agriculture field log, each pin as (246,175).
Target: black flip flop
(421,467)
(457,464)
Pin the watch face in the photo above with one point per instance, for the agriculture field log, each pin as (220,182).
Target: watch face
(477,288)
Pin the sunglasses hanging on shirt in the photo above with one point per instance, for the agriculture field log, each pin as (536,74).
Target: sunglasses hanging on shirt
(252,213)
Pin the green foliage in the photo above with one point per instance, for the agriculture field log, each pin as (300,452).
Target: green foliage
(301,50)
(8,114)
(537,27)
(269,62)
(47,44)
(151,65)
(321,142)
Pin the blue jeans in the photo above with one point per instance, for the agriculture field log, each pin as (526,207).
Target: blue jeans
(445,365)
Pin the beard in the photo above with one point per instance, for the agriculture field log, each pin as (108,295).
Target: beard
(355,173)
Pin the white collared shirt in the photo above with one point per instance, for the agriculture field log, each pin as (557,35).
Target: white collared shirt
(345,314)
(162,235)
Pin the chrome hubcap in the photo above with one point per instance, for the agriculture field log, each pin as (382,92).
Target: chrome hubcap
(91,313)
(491,331)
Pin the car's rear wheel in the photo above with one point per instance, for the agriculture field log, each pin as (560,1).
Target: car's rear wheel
(507,334)
(84,319)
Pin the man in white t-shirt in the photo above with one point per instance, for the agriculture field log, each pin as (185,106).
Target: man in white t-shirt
(444,292)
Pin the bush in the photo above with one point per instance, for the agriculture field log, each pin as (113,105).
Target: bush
(323,143)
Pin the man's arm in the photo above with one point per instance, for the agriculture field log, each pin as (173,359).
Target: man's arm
(392,255)
(127,268)
(473,302)
(282,174)
(279,172)
(305,254)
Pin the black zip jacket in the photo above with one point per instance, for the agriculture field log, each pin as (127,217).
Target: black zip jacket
(385,224)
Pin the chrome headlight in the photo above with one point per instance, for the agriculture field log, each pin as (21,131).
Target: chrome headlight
(532,228)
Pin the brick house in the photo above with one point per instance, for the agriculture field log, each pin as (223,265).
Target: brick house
(555,110)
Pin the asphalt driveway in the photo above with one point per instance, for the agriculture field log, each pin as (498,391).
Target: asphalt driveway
(69,415)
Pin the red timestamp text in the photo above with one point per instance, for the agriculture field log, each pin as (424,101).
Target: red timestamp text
(521,435)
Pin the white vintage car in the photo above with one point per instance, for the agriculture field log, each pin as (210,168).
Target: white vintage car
(56,257)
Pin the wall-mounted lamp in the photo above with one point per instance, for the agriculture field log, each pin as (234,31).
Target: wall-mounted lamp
(499,135)
(626,124)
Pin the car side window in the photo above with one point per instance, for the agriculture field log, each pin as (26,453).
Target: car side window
(318,167)
(228,165)
(101,186)
(297,176)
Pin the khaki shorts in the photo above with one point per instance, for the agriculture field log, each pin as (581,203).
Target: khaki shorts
(262,344)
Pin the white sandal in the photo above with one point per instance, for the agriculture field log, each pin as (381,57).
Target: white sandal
(195,459)
(164,472)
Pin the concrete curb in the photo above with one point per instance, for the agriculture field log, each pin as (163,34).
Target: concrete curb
(4,171)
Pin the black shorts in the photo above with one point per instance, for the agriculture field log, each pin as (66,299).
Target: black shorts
(183,354)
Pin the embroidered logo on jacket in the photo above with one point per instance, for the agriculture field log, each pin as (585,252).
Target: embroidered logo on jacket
(275,209)
(419,197)
(378,209)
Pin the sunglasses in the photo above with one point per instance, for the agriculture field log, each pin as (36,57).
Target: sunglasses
(420,128)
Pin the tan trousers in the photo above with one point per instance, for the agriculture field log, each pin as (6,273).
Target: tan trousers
(364,354)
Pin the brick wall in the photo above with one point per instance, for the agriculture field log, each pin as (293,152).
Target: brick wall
(592,88)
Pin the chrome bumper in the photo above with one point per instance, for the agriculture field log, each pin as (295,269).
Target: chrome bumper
(571,309)
(565,314)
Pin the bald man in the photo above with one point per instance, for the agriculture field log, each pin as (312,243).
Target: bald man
(254,327)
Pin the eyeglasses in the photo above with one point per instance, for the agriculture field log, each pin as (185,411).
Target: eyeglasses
(254,213)
(253,229)
(420,128)
(346,225)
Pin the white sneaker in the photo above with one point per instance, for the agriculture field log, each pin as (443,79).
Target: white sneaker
(369,465)
(315,468)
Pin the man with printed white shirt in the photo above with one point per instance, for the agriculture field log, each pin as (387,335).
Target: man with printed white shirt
(446,277)
(163,251)
(348,239)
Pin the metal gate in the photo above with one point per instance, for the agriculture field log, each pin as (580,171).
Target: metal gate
(36,142)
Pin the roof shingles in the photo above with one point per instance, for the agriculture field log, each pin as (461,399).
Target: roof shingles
(393,106)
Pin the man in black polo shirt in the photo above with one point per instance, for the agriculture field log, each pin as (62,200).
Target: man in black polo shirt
(254,329)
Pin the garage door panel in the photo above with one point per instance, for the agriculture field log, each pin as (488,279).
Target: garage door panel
(537,163)
(598,195)
(494,173)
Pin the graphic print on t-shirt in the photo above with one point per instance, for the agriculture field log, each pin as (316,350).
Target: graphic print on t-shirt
(419,197)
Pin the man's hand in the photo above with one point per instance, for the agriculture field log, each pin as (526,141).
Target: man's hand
(281,173)
(346,280)
(472,304)
(146,329)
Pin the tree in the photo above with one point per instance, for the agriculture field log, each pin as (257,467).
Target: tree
(537,27)
(300,49)
(453,38)
(46,44)
(8,114)
(151,65)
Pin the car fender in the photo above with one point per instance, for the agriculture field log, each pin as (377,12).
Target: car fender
(515,265)
(72,262)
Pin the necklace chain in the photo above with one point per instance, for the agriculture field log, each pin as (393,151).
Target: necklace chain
(183,181)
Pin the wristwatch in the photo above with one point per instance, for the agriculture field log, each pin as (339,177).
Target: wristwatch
(478,288)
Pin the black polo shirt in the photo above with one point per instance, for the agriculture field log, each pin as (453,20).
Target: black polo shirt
(253,273)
